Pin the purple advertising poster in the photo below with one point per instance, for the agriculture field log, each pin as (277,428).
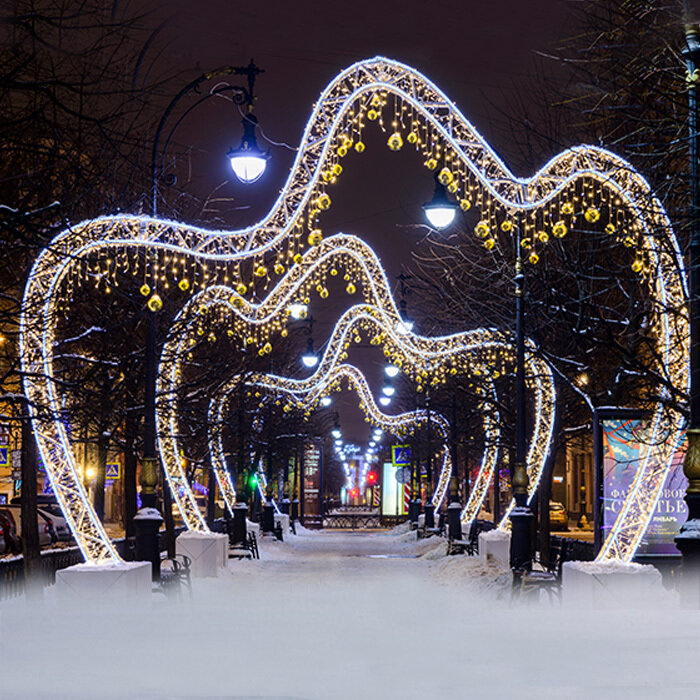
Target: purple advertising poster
(623,445)
(311,485)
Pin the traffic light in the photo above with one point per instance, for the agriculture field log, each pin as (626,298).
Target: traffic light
(372,478)
(253,481)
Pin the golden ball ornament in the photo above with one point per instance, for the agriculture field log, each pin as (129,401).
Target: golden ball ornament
(445,176)
(559,229)
(155,303)
(395,141)
(567,208)
(482,229)
(591,215)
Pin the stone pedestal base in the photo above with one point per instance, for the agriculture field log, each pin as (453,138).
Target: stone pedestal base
(494,547)
(208,552)
(609,584)
(283,520)
(128,580)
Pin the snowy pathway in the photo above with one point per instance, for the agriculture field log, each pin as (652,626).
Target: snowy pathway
(347,615)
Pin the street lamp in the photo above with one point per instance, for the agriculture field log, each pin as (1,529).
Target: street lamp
(298,311)
(688,540)
(147,521)
(440,211)
(326,401)
(309,358)
(521,516)
(388,390)
(391,371)
(384,400)
(248,161)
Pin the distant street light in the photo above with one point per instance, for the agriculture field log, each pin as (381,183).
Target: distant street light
(391,371)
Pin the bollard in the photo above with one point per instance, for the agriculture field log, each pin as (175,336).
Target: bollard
(240,528)
(454,524)
(429,510)
(147,522)
(268,518)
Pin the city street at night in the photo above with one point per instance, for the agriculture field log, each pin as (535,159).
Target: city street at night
(349,350)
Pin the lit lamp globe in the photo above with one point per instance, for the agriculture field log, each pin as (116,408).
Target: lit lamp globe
(384,400)
(404,327)
(391,371)
(248,161)
(440,211)
(309,359)
(388,390)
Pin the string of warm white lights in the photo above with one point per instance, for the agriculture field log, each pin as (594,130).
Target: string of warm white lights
(409,350)
(584,184)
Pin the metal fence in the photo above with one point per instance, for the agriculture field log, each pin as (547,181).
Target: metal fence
(12,581)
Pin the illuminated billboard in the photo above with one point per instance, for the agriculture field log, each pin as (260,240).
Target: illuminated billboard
(394,494)
(624,441)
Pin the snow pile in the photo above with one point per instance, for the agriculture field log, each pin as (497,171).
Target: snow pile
(495,535)
(345,615)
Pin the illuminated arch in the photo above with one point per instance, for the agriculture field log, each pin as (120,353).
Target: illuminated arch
(429,122)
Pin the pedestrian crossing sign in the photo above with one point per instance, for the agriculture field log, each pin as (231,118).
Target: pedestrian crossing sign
(400,455)
(4,456)
(112,471)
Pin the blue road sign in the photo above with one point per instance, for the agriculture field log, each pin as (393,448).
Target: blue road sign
(400,455)
(112,471)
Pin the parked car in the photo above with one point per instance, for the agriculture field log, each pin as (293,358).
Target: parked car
(558,517)
(48,505)
(46,531)
(9,539)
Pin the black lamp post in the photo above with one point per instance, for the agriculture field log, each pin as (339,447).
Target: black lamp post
(688,540)
(148,519)
(521,516)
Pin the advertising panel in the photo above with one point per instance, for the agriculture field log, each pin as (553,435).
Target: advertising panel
(393,501)
(312,485)
(624,445)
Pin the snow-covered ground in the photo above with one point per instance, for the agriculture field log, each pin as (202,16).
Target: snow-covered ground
(347,615)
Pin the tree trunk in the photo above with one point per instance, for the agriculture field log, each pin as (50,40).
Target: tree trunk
(168,515)
(129,474)
(99,497)
(30,528)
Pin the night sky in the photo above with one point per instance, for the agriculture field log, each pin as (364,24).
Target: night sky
(478,53)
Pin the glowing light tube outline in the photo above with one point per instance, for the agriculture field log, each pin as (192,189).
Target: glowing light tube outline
(516,194)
